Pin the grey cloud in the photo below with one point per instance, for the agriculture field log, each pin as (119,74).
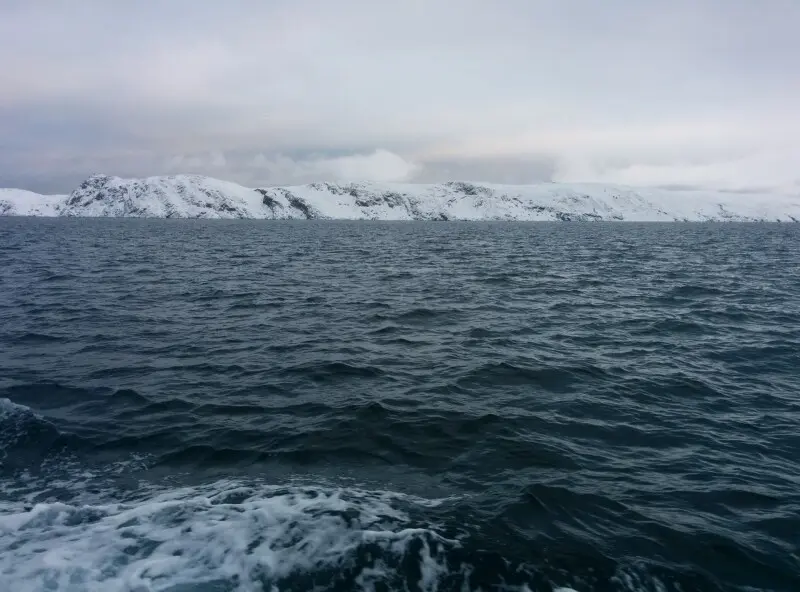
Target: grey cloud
(519,171)
(666,92)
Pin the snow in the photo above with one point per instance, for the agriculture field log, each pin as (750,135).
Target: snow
(19,202)
(194,196)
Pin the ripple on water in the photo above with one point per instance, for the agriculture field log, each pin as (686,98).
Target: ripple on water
(420,407)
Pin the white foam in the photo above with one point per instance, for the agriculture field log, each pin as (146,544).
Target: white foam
(227,533)
(8,408)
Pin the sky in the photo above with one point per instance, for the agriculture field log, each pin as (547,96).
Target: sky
(677,93)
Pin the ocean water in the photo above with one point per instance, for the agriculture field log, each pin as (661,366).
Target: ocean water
(213,406)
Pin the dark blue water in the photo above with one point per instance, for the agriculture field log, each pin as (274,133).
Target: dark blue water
(257,406)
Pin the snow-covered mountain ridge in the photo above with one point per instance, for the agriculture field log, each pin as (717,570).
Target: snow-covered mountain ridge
(194,196)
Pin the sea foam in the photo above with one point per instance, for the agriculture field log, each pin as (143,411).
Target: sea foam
(224,536)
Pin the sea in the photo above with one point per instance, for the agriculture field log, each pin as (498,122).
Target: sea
(269,406)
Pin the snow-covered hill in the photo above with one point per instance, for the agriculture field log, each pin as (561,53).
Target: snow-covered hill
(18,202)
(193,196)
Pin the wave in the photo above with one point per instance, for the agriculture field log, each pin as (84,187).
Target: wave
(420,316)
(34,338)
(553,378)
(225,536)
(25,437)
(10,409)
(330,371)
(246,536)
(692,291)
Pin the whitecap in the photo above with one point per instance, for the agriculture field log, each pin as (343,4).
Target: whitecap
(227,535)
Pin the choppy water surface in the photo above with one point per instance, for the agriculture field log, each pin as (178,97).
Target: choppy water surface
(250,406)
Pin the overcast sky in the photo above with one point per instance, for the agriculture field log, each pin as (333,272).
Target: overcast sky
(672,92)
